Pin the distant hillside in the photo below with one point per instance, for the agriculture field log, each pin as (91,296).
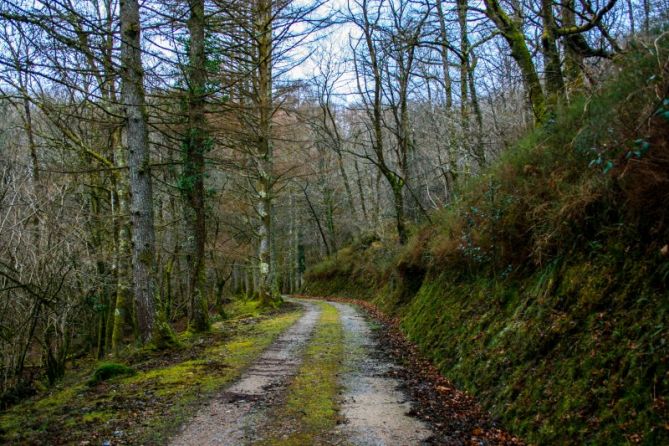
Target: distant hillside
(543,288)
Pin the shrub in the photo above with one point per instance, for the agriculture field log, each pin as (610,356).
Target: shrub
(109,370)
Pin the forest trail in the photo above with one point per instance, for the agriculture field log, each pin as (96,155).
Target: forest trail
(285,397)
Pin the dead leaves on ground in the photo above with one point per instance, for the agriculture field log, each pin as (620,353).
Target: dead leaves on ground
(455,416)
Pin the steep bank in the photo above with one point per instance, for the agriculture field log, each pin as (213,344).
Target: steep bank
(543,288)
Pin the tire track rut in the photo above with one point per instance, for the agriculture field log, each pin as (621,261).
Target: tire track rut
(233,418)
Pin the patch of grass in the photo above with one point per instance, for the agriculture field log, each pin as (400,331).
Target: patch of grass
(58,397)
(243,308)
(151,404)
(310,412)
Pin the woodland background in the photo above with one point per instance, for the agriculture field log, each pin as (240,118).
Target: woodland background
(153,165)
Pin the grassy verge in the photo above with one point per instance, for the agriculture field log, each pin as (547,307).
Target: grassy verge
(310,412)
(147,407)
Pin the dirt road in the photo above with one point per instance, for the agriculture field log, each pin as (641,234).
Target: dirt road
(371,409)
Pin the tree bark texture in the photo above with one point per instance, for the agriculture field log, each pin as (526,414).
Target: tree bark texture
(141,207)
(551,54)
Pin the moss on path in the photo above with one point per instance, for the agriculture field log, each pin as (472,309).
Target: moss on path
(310,410)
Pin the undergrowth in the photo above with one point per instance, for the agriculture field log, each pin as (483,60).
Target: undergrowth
(146,403)
(542,288)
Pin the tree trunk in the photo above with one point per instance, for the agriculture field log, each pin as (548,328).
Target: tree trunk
(317,219)
(376,116)
(443,52)
(299,259)
(513,34)
(345,180)
(292,251)
(573,61)
(479,149)
(141,208)
(400,219)
(195,147)
(265,161)
(247,281)
(551,54)
(122,266)
(464,70)
(363,206)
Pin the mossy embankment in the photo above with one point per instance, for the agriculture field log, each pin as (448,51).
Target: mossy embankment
(146,400)
(542,289)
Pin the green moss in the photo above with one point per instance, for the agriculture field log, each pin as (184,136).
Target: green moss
(243,308)
(579,363)
(311,407)
(58,397)
(109,370)
(96,417)
(11,424)
(186,384)
(148,405)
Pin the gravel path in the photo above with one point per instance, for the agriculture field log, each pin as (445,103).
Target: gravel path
(374,408)
(232,418)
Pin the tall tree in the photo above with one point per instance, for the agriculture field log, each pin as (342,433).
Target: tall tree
(369,63)
(196,143)
(141,207)
(263,18)
(551,53)
(404,37)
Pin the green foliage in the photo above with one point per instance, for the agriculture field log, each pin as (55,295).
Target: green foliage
(196,141)
(551,353)
(663,110)
(214,54)
(641,148)
(352,270)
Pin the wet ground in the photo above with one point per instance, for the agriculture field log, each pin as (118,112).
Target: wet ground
(374,408)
